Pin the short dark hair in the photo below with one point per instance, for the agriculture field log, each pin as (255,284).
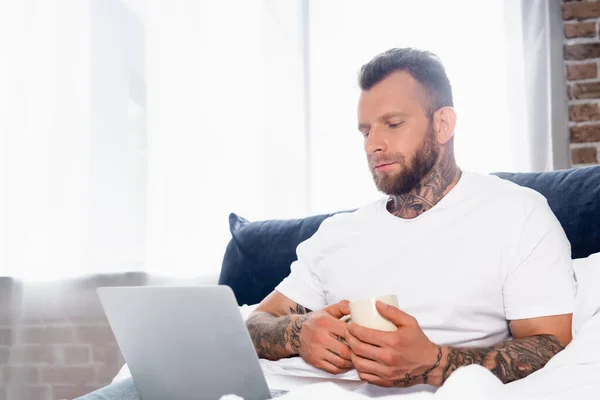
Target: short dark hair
(424,66)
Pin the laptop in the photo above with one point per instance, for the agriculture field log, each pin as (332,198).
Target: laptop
(185,343)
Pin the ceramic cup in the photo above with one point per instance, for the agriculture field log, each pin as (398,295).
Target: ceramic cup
(363,312)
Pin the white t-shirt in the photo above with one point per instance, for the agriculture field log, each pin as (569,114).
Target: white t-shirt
(487,253)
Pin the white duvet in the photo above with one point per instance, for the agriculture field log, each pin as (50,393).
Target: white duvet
(573,374)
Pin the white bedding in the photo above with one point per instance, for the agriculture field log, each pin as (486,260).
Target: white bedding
(573,374)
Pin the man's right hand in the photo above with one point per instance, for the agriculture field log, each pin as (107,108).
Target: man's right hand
(319,335)
(281,328)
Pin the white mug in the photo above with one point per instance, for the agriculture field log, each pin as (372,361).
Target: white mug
(364,312)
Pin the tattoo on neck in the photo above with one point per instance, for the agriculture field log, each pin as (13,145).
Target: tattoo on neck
(510,360)
(430,190)
(271,334)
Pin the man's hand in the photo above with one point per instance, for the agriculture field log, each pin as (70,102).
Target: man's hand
(402,358)
(318,337)
(281,328)
(407,357)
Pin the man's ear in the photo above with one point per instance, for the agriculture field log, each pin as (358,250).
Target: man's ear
(444,121)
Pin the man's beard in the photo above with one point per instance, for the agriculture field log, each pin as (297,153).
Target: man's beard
(411,175)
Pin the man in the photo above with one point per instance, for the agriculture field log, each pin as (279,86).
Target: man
(474,260)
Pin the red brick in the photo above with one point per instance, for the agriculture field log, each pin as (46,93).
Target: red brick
(584,112)
(20,374)
(580,10)
(110,355)
(34,392)
(570,92)
(47,335)
(32,354)
(582,51)
(99,334)
(71,391)
(582,71)
(580,29)
(6,336)
(585,133)
(585,155)
(587,90)
(61,374)
(76,355)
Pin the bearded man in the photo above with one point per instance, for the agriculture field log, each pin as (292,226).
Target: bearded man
(481,267)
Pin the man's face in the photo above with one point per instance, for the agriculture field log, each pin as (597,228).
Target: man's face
(400,141)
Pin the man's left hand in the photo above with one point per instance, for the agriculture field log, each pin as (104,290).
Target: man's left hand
(402,358)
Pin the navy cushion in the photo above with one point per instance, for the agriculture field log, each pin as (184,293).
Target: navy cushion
(259,254)
(574,197)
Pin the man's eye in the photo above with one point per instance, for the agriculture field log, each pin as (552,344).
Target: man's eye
(394,125)
(365,134)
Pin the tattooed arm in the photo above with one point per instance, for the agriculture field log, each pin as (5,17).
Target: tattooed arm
(509,361)
(514,359)
(407,357)
(281,328)
(276,334)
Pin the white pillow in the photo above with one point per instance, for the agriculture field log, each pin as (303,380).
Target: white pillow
(587,303)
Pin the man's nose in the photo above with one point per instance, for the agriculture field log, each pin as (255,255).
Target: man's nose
(375,141)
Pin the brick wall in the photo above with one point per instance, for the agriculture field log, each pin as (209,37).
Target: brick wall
(582,56)
(55,342)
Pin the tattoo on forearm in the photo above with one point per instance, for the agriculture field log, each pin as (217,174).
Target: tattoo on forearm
(295,334)
(510,360)
(424,377)
(271,334)
(299,310)
(297,326)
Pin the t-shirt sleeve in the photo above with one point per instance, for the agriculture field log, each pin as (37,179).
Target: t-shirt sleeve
(540,281)
(303,285)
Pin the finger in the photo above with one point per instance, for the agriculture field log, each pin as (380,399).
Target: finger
(338,361)
(338,310)
(329,367)
(374,379)
(337,327)
(365,365)
(395,315)
(363,349)
(367,335)
(340,348)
